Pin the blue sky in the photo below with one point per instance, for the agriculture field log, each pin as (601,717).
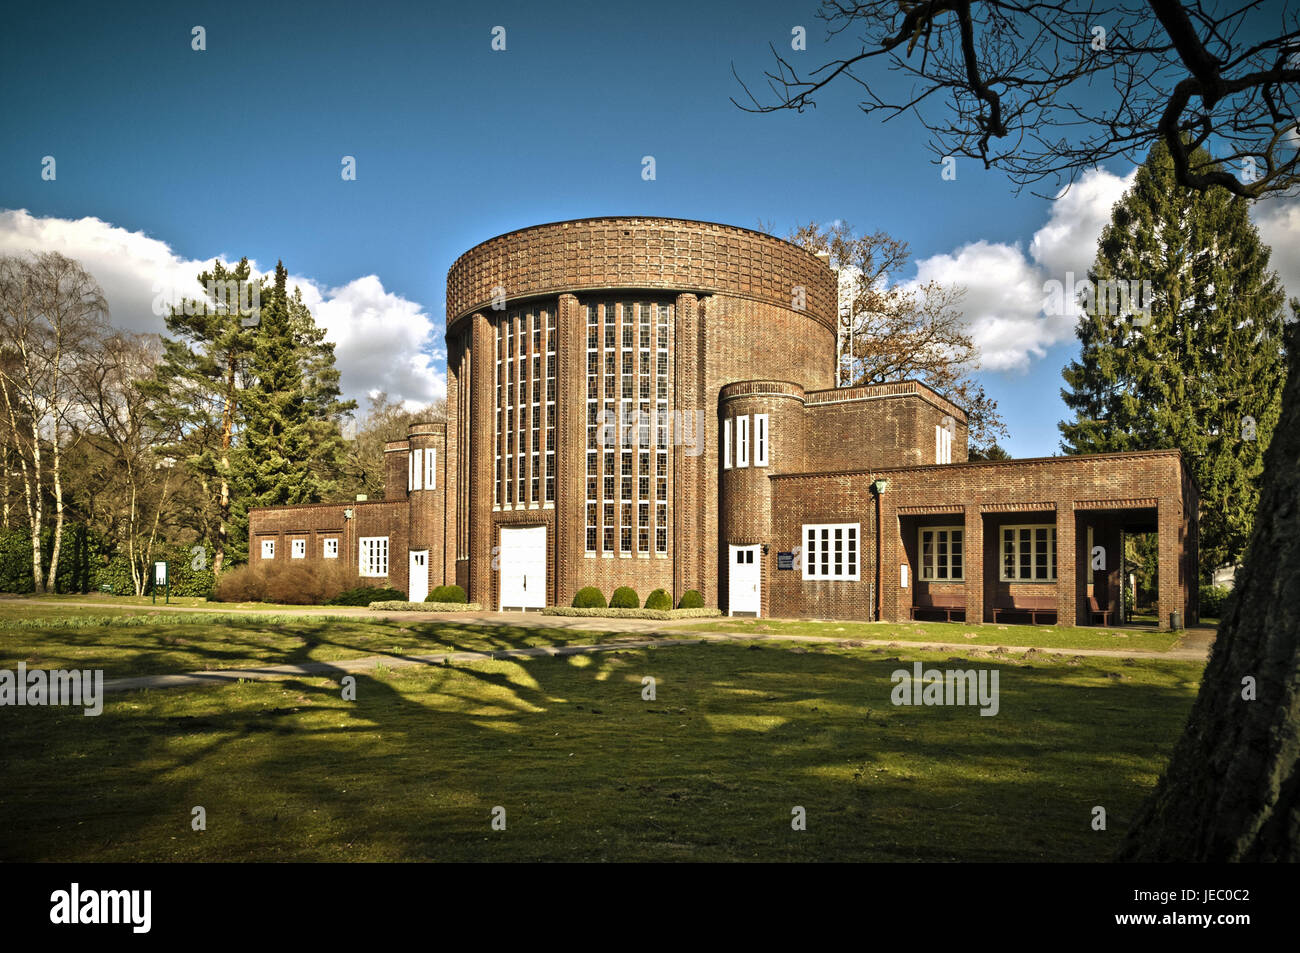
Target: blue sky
(182,156)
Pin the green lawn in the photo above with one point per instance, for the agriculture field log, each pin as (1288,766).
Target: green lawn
(586,770)
(959,633)
(149,644)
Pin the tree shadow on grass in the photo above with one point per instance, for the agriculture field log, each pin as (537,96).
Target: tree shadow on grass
(589,769)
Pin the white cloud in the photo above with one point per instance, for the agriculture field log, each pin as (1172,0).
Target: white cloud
(1004,284)
(1004,301)
(382,340)
(1279,226)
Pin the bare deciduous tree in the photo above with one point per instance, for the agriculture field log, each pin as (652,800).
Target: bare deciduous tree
(1049,90)
(51,313)
(891,331)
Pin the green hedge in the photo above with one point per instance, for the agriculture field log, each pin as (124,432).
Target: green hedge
(401,605)
(701,613)
(659,599)
(447,594)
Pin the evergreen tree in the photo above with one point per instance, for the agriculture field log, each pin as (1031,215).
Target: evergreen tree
(274,463)
(1200,366)
(200,388)
(322,395)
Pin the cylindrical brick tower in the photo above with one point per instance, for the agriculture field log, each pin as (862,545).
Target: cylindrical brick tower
(585,363)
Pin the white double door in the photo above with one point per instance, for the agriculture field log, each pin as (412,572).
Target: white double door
(522,564)
(744,581)
(417,585)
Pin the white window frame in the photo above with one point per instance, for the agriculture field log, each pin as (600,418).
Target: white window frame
(726,443)
(331,548)
(268,549)
(414,470)
(431,468)
(1033,565)
(742,440)
(372,557)
(930,570)
(811,554)
(942,444)
(760,440)
(297,549)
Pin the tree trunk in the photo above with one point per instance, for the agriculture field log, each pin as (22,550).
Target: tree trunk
(37,577)
(1232,789)
(58,513)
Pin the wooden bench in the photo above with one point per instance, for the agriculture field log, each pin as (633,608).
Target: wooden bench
(1033,606)
(1095,609)
(945,602)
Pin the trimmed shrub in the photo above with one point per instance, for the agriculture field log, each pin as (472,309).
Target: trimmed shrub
(1212,601)
(659,599)
(589,597)
(364,595)
(624,597)
(447,594)
(292,584)
(691,599)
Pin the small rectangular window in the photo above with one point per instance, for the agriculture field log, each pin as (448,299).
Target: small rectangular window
(831,551)
(940,553)
(1029,553)
(331,549)
(268,549)
(298,549)
(373,556)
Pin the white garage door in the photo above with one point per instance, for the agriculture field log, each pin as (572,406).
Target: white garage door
(523,567)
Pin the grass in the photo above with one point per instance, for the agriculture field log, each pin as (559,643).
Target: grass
(738,735)
(959,633)
(182,642)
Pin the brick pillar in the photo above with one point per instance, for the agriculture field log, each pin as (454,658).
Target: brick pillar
(973,564)
(1067,566)
(690,521)
(572,572)
(482,461)
(894,600)
(1168,588)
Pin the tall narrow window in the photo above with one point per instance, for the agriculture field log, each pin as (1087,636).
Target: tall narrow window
(415,461)
(760,440)
(431,468)
(726,444)
(742,440)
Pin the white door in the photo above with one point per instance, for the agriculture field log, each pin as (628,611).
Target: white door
(744,581)
(523,567)
(417,587)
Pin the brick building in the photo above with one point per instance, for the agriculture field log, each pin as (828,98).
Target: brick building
(650,402)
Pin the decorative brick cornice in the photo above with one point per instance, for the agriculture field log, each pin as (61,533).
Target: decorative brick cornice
(644,254)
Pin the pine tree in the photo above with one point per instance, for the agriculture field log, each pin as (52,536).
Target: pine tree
(274,462)
(200,390)
(1200,366)
(322,394)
